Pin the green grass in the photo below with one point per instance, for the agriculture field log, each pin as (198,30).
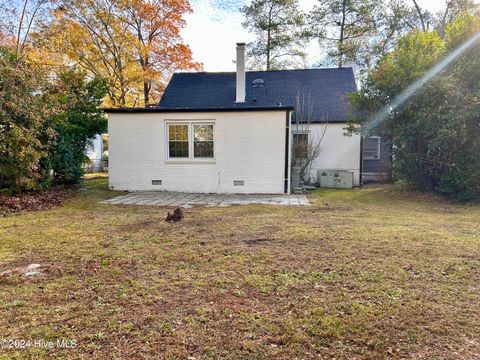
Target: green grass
(367,273)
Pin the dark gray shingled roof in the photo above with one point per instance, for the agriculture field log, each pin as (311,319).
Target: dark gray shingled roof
(327,89)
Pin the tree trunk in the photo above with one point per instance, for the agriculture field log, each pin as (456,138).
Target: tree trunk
(269,37)
(444,20)
(342,35)
(268,49)
(146,93)
(420,14)
(20,25)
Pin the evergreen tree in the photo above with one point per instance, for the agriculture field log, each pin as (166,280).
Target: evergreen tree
(277,25)
(76,121)
(343,25)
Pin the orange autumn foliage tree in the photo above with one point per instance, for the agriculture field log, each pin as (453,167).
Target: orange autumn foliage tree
(156,25)
(134,44)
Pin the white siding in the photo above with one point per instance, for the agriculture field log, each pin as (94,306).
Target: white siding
(95,152)
(337,151)
(249,146)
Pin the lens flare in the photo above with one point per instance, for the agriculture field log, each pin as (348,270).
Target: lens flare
(406,94)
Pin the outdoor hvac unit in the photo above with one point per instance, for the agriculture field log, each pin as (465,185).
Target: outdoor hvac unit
(335,179)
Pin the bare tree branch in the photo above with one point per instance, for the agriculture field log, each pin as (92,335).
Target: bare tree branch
(307,145)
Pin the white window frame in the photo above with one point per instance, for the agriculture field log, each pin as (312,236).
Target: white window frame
(378,149)
(191,156)
(300,132)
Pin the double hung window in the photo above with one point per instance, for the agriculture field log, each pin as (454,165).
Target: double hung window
(191,140)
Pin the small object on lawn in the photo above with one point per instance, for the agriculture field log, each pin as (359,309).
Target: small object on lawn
(32,270)
(176,216)
(28,271)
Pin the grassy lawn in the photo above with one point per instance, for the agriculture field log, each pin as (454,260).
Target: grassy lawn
(364,274)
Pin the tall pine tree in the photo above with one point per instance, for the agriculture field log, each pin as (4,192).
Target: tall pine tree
(277,25)
(342,25)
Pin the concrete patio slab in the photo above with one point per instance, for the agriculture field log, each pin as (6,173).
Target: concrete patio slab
(187,200)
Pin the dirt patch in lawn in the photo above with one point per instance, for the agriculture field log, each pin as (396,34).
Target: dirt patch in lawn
(328,208)
(136,226)
(257,241)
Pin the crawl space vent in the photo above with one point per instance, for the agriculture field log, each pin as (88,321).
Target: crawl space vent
(238,183)
(157,182)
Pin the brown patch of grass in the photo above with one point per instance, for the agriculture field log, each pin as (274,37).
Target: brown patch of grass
(33,201)
(364,273)
(256,241)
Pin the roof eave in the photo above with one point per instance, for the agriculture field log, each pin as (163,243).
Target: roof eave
(187,110)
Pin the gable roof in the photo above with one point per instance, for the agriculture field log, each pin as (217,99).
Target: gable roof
(323,90)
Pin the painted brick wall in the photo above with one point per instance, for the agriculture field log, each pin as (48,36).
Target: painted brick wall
(337,151)
(249,146)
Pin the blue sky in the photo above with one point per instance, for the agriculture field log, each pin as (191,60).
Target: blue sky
(216,25)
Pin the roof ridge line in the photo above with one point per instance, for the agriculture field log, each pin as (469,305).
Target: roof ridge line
(256,71)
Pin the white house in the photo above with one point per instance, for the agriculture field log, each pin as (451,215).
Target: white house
(233,132)
(94,153)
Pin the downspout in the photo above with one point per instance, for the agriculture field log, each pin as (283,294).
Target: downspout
(288,160)
(361,160)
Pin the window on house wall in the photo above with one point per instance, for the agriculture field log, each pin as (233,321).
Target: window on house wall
(192,140)
(203,141)
(371,148)
(300,139)
(178,144)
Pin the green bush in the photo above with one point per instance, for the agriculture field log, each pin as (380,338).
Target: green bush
(45,125)
(22,116)
(76,122)
(436,133)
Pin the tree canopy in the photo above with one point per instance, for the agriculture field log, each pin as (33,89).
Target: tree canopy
(45,125)
(435,134)
(60,61)
(343,26)
(22,114)
(134,44)
(346,31)
(278,27)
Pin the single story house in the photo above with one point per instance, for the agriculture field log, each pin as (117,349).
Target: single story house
(233,132)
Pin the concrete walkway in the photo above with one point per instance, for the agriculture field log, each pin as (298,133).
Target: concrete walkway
(187,200)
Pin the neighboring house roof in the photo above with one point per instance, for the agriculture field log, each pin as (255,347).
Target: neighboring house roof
(322,91)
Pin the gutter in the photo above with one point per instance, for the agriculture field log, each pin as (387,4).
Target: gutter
(199,110)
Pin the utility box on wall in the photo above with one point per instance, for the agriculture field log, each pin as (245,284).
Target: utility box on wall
(335,179)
